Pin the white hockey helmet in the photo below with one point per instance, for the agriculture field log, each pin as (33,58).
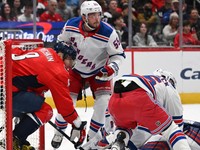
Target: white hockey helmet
(167,75)
(90,7)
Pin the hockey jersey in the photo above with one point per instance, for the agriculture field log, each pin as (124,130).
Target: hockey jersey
(162,91)
(40,70)
(94,49)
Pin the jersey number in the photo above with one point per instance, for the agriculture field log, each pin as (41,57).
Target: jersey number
(153,79)
(28,55)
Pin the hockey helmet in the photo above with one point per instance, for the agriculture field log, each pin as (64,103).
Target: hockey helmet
(67,50)
(166,75)
(90,7)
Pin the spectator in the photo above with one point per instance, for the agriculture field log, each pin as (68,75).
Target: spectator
(188,39)
(122,2)
(157,4)
(148,17)
(76,12)
(27,16)
(16,6)
(175,7)
(103,4)
(170,30)
(6,13)
(41,8)
(195,23)
(73,3)
(192,4)
(165,11)
(121,29)
(142,38)
(134,17)
(43,2)
(112,8)
(65,11)
(50,15)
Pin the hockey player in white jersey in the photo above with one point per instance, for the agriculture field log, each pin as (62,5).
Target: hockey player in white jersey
(146,111)
(99,56)
(170,100)
(168,97)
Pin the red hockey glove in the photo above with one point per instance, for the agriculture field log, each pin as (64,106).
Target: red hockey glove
(107,72)
(79,133)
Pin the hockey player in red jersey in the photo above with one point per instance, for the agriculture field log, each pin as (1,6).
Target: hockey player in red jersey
(35,72)
(99,57)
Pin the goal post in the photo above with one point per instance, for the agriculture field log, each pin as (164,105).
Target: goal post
(6,94)
(6,119)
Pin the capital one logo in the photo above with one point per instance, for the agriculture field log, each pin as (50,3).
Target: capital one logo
(190,74)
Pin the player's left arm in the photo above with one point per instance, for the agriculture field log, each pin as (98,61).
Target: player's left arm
(174,106)
(116,57)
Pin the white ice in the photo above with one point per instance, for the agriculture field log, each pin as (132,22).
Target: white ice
(191,112)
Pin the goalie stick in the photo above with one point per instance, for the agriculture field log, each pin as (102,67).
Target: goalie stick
(63,133)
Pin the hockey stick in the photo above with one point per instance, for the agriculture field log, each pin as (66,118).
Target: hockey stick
(63,133)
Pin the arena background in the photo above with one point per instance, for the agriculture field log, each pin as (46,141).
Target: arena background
(182,62)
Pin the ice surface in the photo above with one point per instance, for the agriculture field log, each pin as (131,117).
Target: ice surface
(191,112)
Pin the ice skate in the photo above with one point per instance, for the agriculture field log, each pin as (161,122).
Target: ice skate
(17,145)
(119,143)
(57,140)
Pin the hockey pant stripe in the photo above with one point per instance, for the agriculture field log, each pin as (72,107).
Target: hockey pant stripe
(178,120)
(61,124)
(176,136)
(94,126)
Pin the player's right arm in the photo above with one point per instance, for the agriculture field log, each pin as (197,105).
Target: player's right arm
(174,106)
(64,35)
(61,96)
(59,87)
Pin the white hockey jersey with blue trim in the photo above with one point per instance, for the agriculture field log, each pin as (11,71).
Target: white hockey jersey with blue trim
(162,91)
(94,49)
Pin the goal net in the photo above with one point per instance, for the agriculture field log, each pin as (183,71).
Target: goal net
(6,120)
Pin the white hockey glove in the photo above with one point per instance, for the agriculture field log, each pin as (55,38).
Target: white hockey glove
(79,133)
(107,72)
(92,143)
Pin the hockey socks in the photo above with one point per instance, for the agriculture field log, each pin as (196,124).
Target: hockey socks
(25,128)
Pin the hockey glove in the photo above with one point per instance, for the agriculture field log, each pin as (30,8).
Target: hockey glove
(79,133)
(107,72)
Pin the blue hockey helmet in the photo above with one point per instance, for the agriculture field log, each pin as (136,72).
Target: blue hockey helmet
(66,49)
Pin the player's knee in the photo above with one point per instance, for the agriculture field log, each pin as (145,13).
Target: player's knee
(175,137)
(100,107)
(102,102)
(45,113)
